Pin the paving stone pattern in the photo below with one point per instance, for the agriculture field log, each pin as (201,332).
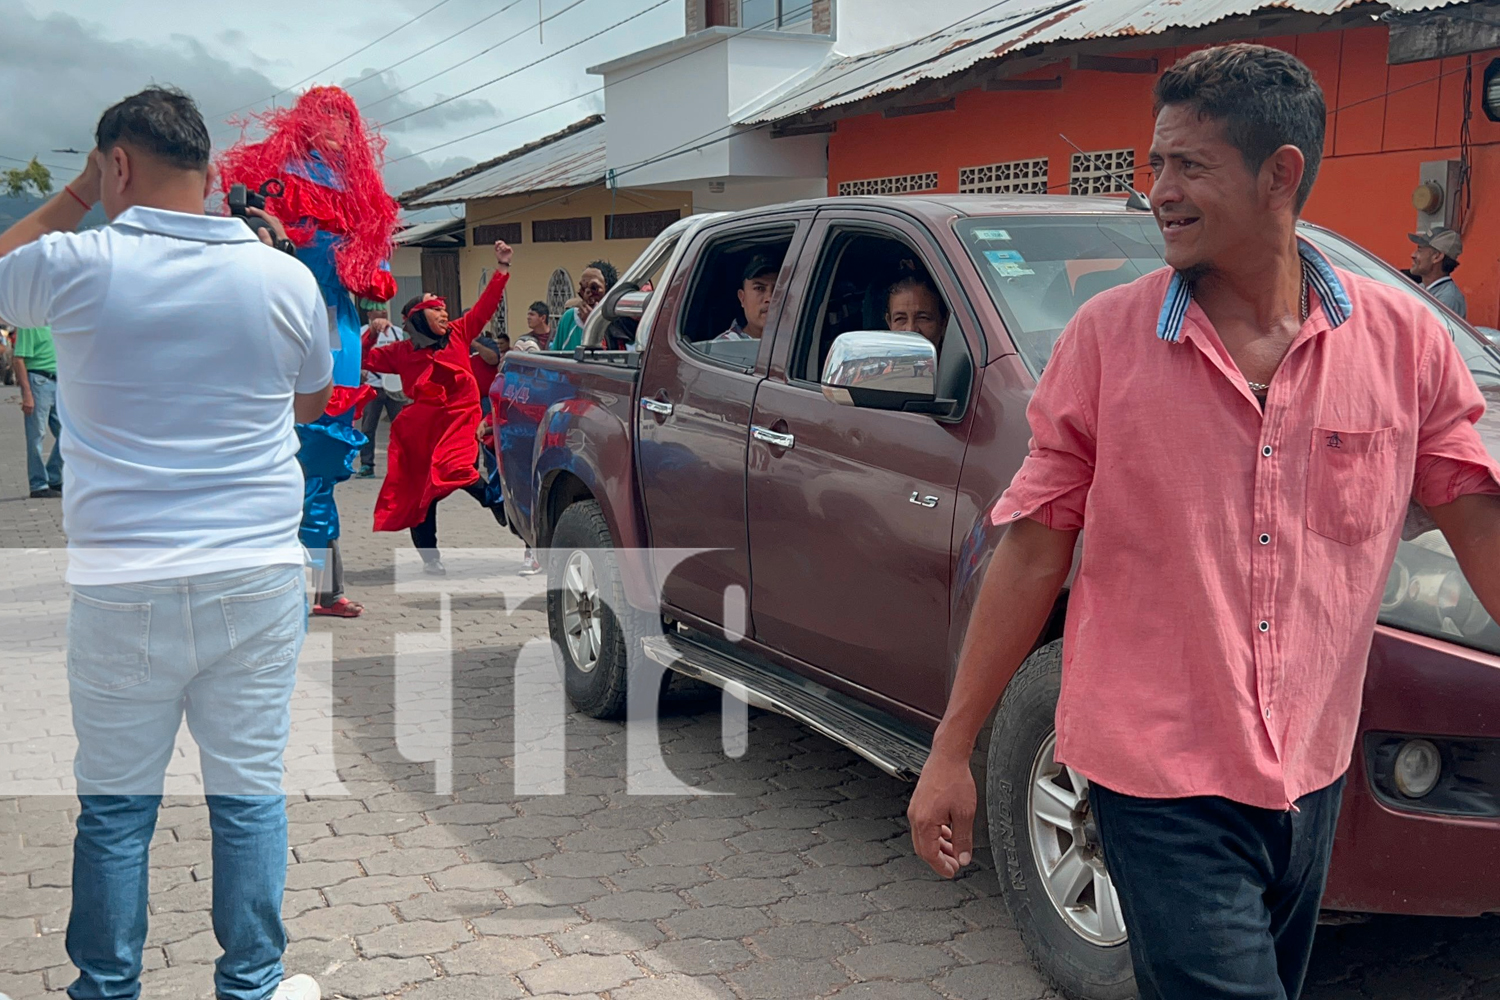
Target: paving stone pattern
(798,882)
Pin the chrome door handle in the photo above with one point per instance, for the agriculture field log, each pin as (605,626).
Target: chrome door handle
(659,407)
(773,438)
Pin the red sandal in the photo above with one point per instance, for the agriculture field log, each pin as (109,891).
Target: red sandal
(341,608)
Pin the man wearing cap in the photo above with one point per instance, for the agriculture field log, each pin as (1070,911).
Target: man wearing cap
(757,285)
(1432,263)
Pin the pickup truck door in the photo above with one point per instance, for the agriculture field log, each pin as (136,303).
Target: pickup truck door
(693,419)
(851,510)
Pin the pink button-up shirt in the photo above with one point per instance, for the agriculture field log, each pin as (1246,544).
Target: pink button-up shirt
(1233,560)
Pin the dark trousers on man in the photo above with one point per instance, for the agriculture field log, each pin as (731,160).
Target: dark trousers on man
(382,403)
(424,535)
(1221,899)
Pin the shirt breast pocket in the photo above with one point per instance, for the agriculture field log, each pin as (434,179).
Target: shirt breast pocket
(1351,483)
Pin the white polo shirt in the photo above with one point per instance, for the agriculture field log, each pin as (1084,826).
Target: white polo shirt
(181,340)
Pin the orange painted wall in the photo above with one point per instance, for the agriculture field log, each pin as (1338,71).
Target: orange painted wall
(1385,121)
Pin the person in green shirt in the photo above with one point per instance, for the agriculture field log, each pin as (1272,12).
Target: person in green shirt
(591,288)
(36,372)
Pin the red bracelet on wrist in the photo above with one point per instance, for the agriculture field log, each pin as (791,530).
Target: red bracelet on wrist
(86,206)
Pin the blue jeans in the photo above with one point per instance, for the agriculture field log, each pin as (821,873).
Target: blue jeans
(44,418)
(1221,899)
(221,649)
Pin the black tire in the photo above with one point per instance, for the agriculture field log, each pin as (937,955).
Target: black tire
(1074,966)
(601,691)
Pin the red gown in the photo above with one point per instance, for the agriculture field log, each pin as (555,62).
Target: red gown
(432,447)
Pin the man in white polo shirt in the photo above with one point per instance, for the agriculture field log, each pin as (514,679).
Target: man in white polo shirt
(186,349)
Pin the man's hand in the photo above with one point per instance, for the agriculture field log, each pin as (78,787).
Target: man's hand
(503,254)
(87,184)
(941,814)
(28,403)
(278,231)
(481,430)
(379,326)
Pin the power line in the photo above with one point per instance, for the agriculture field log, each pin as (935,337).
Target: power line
(440,41)
(537,62)
(49,166)
(325,69)
(510,38)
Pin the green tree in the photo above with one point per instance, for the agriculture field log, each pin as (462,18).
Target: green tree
(33,176)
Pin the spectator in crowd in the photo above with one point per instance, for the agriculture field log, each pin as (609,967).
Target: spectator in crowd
(757,286)
(1433,263)
(591,289)
(387,402)
(538,328)
(182,514)
(35,363)
(914,305)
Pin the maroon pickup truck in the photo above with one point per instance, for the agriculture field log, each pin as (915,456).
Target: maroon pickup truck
(837,479)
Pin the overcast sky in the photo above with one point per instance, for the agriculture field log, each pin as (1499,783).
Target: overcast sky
(64,61)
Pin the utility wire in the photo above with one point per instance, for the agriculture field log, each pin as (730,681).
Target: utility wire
(49,166)
(400,27)
(509,38)
(423,51)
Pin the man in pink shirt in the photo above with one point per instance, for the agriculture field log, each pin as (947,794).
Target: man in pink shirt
(1241,434)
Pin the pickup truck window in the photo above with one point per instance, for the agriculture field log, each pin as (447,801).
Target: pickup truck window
(1040,269)
(726,308)
(850,291)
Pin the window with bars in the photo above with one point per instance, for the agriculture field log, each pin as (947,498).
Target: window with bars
(904,184)
(1110,171)
(510,232)
(579,230)
(639,225)
(499,324)
(1012,177)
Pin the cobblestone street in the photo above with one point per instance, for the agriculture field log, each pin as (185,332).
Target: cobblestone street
(797,882)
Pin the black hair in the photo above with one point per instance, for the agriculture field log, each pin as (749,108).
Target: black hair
(1449,264)
(910,282)
(416,320)
(1265,97)
(611,274)
(540,308)
(163,121)
(503,336)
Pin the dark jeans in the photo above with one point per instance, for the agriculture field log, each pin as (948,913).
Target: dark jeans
(424,535)
(1221,899)
(382,403)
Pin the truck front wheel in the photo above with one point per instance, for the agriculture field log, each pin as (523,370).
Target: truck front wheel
(585,605)
(1046,844)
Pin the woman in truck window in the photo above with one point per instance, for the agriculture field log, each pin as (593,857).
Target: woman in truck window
(913,305)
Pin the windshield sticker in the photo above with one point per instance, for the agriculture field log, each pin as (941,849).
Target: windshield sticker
(1004,257)
(998,235)
(1006,269)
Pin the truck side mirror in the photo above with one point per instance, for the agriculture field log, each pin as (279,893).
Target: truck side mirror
(883,370)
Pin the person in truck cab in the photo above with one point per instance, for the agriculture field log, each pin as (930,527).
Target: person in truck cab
(757,285)
(1242,519)
(913,305)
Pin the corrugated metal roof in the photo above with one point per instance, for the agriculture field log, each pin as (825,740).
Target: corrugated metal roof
(1018,25)
(570,158)
(428,230)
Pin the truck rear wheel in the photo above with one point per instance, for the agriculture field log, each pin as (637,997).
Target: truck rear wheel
(585,602)
(1046,845)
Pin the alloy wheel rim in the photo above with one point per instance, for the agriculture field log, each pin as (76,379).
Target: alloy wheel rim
(583,621)
(1069,856)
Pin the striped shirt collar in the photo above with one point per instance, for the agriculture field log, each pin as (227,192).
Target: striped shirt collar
(1325,284)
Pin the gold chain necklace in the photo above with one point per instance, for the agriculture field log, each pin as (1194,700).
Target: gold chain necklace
(1304,310)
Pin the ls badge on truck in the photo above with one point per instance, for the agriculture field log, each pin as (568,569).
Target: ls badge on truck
(922,501)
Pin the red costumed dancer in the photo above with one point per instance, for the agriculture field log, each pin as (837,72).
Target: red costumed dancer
(432,448)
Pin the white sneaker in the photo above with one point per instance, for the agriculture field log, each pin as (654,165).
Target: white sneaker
(298,988)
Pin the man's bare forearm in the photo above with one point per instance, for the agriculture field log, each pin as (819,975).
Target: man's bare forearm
(1471,524)
(60,214)
(18,365)
(1026,574)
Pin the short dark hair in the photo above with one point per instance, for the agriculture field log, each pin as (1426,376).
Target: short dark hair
(1265,97)
(162,121)
(540,308)
(609,271)
(1449,264)
(503,336)
(912,282)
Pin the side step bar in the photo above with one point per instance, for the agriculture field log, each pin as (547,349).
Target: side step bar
(888,743)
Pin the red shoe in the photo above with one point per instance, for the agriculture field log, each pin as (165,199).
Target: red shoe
(341,608)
